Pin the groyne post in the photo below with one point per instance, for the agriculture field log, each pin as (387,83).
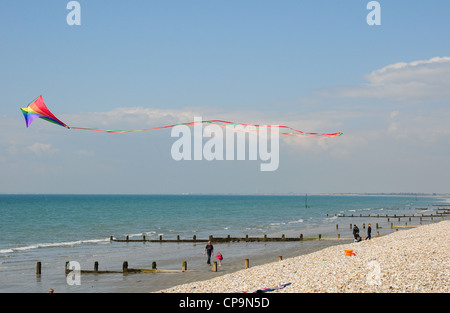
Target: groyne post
(38,268)
(247,265)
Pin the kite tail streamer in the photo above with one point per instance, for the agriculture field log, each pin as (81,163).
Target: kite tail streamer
(38,109)
(224,124)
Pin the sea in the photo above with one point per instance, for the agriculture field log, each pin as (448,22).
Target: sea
(55,229)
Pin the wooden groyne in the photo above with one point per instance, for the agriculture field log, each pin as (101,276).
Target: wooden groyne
(437,214)
(247,238)
(422,217)
(125,269)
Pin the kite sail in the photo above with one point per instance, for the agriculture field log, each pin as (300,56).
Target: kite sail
(38,109)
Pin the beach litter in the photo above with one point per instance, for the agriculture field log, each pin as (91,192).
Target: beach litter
(271,289)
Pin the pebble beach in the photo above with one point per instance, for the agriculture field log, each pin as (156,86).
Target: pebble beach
(415,260)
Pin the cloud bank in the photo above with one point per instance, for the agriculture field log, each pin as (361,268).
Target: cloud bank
(416,82)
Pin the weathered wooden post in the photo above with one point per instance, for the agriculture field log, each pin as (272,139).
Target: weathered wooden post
(184,266)
(337,226)
(320,236)
(301,236)
(160,237)
(282,237)
(247,265)
(194,238)
(67,267)
(96,267)
(125,267)
(127,238)
(154,265)
(178,238)
(214,266)
(38,268)
(339,236)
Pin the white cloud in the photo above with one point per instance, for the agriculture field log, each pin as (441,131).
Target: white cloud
(84,153)
(41,148)
(131,118)
(415,82)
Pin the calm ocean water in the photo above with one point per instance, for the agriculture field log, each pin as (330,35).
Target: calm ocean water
(54,229)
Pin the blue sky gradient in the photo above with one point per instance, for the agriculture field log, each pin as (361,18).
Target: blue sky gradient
(313,65)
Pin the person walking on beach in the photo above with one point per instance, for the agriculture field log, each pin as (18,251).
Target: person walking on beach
(209,252)
(369,232)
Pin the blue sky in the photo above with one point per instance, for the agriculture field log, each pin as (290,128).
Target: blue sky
(313,65)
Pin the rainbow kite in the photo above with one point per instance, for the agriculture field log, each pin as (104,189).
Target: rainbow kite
(38,109)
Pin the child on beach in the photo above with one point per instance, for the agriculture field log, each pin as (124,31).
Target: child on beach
(219,257)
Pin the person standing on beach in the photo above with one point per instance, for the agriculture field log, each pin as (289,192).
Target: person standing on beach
(355,232)
(209,252)
(369,232)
